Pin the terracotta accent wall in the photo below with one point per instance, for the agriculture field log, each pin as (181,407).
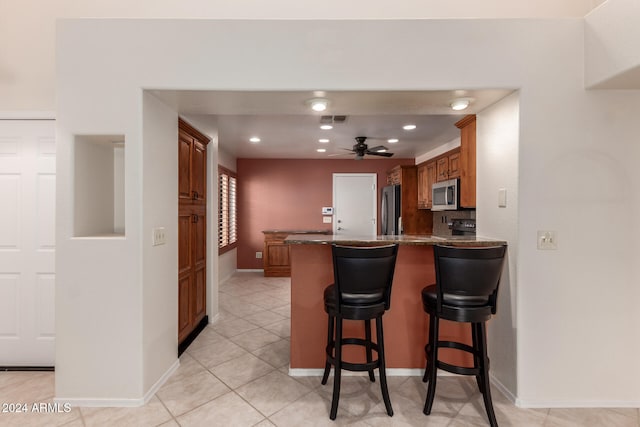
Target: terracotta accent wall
(289,194)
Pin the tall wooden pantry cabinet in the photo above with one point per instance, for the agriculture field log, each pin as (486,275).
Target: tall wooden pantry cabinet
(192,233)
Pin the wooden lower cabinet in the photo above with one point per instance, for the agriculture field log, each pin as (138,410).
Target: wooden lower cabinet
(276,256)
(192,270)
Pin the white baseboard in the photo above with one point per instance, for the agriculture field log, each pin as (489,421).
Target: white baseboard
(532,403)
(214,319)
(250,270)
(27,115)
(102,402)
(503,389)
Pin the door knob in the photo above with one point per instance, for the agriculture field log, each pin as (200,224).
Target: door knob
(339,228)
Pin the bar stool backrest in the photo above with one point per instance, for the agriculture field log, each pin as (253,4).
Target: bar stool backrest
(363,275)
(468,276)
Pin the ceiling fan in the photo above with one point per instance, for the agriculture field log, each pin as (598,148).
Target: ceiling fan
(360,148)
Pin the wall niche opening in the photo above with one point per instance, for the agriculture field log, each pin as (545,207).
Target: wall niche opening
(99,204)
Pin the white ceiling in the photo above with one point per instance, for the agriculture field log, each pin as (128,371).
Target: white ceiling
(288,128)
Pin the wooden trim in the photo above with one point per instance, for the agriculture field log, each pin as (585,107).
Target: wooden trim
(185,126)
(230,246)
(465,121)
(440,156)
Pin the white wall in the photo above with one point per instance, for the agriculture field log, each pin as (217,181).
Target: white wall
(497,162)
(612,57)
(27,27)
(575,146)
(160,263)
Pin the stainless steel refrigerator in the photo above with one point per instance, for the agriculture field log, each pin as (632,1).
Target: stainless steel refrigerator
(391,223)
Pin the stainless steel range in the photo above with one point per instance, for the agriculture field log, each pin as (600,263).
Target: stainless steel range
(463,227)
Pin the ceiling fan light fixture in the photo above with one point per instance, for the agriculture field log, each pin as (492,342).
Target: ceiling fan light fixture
(460,104)
(318,104)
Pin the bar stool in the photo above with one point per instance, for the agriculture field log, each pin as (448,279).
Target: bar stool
(361,291)
(466,291)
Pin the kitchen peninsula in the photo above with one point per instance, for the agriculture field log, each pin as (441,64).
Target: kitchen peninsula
(405,324)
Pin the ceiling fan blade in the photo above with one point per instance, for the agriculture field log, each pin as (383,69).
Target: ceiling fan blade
(339,154)
(379,150)
(383,154)
(378,147)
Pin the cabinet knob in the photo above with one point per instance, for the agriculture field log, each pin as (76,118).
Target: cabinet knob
(194,196)
(194,218)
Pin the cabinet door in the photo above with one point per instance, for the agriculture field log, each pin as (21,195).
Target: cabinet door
(185,276)
(185,142)
(454,165)
(199,239)
(431,179)
(468,162)
(423,187)
(443,169)
(199,173)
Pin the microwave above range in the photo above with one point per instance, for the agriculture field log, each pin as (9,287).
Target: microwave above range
(445,195)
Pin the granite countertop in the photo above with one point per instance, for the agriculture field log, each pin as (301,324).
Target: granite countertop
(321,232)
(404,239)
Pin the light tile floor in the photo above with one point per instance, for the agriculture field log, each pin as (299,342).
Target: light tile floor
(235,374)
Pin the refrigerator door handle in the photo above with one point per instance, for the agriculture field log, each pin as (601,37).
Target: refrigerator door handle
(384,213)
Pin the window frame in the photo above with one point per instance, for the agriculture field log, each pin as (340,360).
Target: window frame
(228,213)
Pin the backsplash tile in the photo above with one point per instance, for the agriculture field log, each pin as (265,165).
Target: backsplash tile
(441,219)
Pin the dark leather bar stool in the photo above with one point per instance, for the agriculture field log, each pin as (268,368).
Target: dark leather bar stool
(466,290)
(361,291)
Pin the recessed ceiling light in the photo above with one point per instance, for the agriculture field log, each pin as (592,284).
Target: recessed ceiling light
(460,104)
(318,104)
(323,140)
(254,139)
(326,127)
(392,140)
(321,150)
(409,127)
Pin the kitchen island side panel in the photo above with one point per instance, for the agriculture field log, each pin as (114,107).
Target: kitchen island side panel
(405,324)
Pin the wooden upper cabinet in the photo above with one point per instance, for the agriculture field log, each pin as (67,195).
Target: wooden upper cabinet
(454,165)
(467,128)
(442,167)
(427,175)
(185,144)
(199,173)
(192,165)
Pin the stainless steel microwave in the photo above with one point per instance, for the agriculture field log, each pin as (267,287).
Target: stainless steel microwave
(445,195)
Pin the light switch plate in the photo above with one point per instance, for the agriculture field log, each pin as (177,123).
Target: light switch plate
(547,240)
(326,220)
(159,236)
(327,210)
(502,197)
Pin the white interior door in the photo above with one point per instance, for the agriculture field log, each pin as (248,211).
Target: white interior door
(27,242)
(355,201)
